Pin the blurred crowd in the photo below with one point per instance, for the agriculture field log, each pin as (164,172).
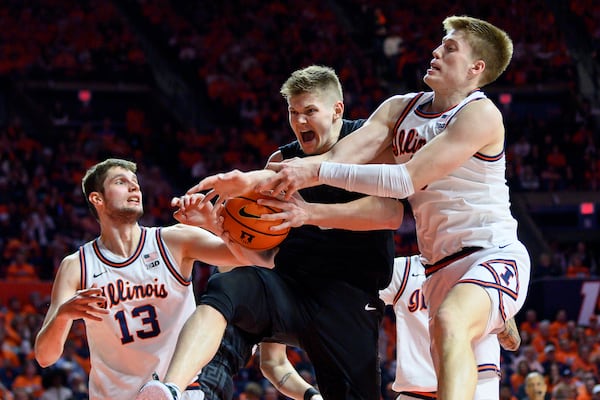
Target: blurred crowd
(240,52)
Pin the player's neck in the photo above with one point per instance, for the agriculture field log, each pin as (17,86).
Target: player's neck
(121,240)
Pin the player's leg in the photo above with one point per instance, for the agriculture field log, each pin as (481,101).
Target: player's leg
(238,297)
(460,319)
(342,343)
(196,344)
(487,357)
(216,378)
(195,347)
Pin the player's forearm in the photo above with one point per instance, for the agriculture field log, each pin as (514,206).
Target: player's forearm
(360,147)
(50,340)
(286,379)
(367,213)
(383,180)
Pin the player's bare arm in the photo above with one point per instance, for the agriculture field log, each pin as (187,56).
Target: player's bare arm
(67,304)
(476,128)
(230,184)
(189,243)
(366,144)
(276,367)
(366,213)
(510,338)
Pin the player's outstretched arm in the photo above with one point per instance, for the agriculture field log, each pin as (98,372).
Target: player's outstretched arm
(276,367)
(66,305)
(230,184)
(364,145)
(364,214)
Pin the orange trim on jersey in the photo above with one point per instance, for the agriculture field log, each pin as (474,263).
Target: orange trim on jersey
(489,367)
(404,282)
(193,386)
(484,157)
(406,110)
(424,114)
(502,290)
(420,395)
(444,262)
(163,252)
(125,263)
(83,279)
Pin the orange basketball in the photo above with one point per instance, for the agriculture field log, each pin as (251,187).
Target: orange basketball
(242,221)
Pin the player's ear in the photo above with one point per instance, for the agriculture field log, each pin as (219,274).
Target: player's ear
(478,67)
(95,198)
(338,110)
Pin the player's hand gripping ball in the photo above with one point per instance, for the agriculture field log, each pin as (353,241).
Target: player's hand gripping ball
(241,218)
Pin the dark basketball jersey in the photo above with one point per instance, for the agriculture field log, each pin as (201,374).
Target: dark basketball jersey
(363,259)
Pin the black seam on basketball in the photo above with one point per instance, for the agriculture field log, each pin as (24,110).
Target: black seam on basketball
(254,230)
(254,201)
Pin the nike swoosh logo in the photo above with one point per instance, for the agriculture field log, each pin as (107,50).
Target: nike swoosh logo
(417,274)
(369,308)
(506,245)
(97,275)
(246,214)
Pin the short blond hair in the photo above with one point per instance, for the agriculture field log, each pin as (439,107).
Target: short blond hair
(316,78)
(488,43)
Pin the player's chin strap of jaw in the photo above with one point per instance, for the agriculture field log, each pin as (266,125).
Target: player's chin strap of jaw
(392,180)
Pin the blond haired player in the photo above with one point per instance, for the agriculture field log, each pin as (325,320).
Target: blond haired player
(447,150)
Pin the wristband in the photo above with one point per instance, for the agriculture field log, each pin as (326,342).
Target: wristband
(310,392)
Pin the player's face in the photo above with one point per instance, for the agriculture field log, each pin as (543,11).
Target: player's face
(122,195)
(535,387)
(451,63)
(312,117)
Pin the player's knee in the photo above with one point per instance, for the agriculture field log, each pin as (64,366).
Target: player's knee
(232,280)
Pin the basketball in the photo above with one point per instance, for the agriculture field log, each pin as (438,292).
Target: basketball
(241,218)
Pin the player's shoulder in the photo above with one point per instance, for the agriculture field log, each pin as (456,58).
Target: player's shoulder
(277,156)
(71,258)
(71,264)
(481,112)
(396,104)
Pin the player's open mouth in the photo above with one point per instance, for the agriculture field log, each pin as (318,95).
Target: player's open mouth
(307,136)
(133,200)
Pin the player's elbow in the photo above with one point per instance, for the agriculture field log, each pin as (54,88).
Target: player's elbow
(43,359)
(43,355)
(266,368)
(394,214)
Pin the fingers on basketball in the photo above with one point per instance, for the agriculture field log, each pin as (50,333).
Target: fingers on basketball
(241,218)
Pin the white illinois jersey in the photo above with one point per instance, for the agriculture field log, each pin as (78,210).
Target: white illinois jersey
(148,300)
(415,372)
(414,367)
(470,207)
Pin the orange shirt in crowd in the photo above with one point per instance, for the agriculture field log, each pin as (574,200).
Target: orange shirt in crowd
(21,272)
